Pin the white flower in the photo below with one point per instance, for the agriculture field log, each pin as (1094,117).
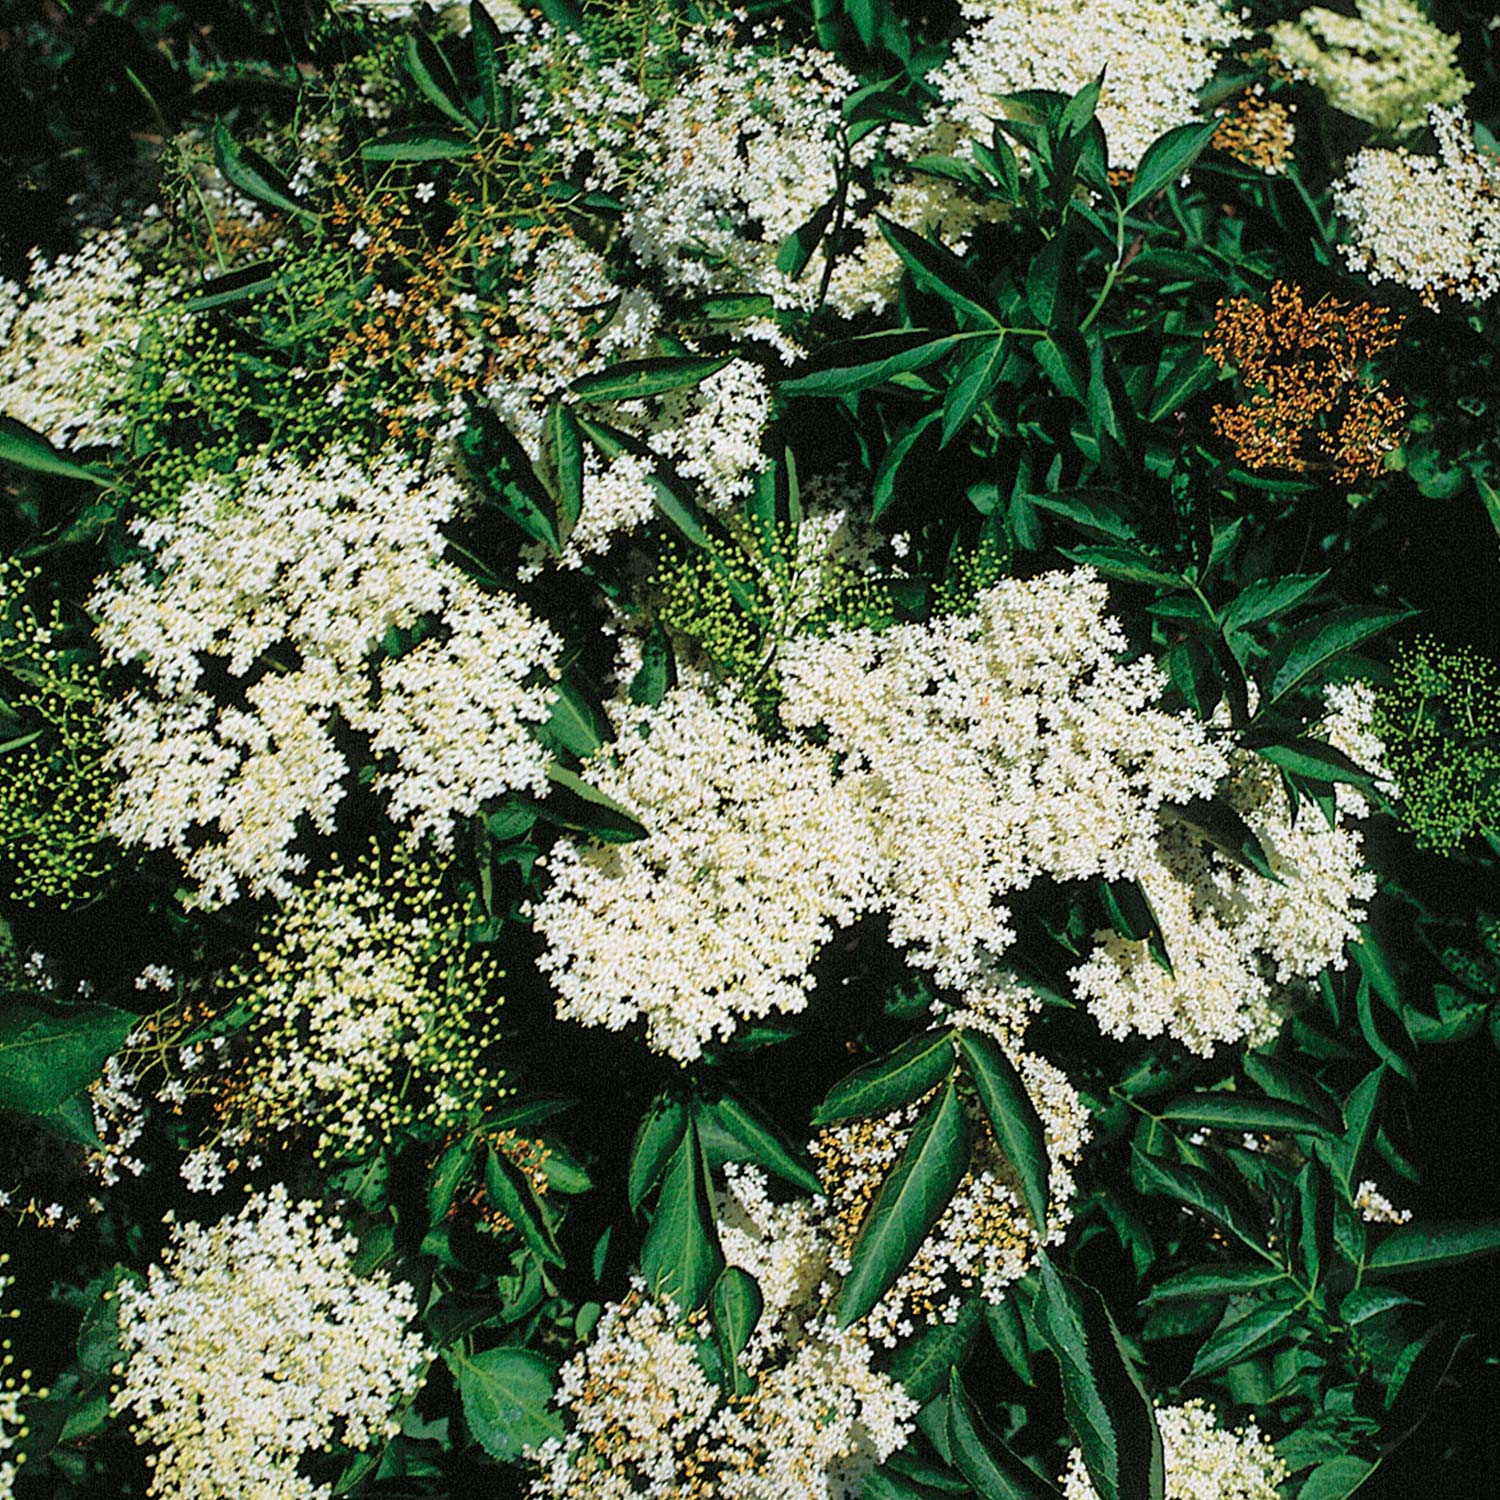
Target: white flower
(254,1342)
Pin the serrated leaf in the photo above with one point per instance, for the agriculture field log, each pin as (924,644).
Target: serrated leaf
(1429,1247)
(891,1081)
(489,48)
(1093,509)
(254,176)
(429,70)
(734,1310)
(26,449)
(761,1144)
(584,807)
(859,364)
(1013,1118)
(1128,564)
(507,1399)
(1214,1281)
(681,1258)
(972,383)
(984,1459)
(935,268)
(1285,1080)
(417,143)
(50,1052)
(1225,1111)
(1265,598)
(502,472)
(631,380)
(512,1193)
(1167,158)
(1216,822)
(910,1201)
(1198,1191)
(1313,759)
(564,444)
(1192,373)
(1106,1408)
(883,487)
(922,1364)
(451,1169)
(1317,644)
(1242,1333)
(576,724)
(796,251)
(657,1138)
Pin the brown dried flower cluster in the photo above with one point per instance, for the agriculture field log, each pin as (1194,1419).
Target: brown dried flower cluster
(1307,402)
(1257,132)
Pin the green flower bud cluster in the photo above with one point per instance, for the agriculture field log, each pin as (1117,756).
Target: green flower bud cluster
(54,785)
(1440,721)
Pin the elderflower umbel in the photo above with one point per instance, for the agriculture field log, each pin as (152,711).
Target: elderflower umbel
(648,1421)
(287,585)
(67,338)
(13,1391)
(1155,55)
(1203,1461)
(254,1342)
(1386,64)
(984,1239)
(753,856)
(1428,223)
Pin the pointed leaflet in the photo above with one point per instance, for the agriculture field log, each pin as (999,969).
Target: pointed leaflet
(890,1081)
(1319,642)
(760,1144)
(430,72)
(563,441)
(576,723)
(883,489)
(1108,1411)
(417,143)
(972,383)
(1215,821)
(489,49)
(26,449)
(921,1365)
(1179,384)
(661,1131)
(1241,1334)
(681,1258)
(48,1053)
(511,1192)
(1225,1111)
(1167,158)
(507,1397)
(910,1201)
(1427,1247)
(1266,598)
(630,380)
(573,803)
(935,268)
(857,364)
(1012,1116)
(734,1310)
(983,1458)
(1198,1190)
(1285,1080)
(254,176)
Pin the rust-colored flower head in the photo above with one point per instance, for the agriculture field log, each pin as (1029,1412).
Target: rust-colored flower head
(1307,401)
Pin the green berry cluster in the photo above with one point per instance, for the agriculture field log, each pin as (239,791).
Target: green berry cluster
(1440,721)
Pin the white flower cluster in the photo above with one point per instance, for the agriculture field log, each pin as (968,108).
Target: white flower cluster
(984,751)
(1155,55)
(984,1239)
(1375,1208)
(649,1422)
(1424,222)
(753,857)
(253,1343)
(274,594)
(1233,936)
(67,339)
(1203,1461)
(1385,64)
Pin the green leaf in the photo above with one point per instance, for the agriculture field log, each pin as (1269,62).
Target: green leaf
(1419,1370)
(430,72)
(489,50)
(1337,1479)
(577,723)
(1224,1111)
(796,251)
(922,1365)
(1216,822)
(254,176)
(1095,510)
(48,1053)
(1105,1405)
(883,492)
(761,1145)
(891,1081)
(26,449)
(734,1310)
(1198,1190)
(1313,759)
(1013,1118)
(659,1135)
(735,307)
(502,472)
(972,383)
(451,1169)
(1129,911)
(1242,1333)
(512,1193)
(935,268)
(681,1258)
(507,1399)
(631,380)
(1266,598)
(910,1201)
(1166,159)
(1285,1080)
(565,15)
(858,364)
(983,1458)
(1128,564)
(1044,280)
(1318,643)
(587,809)
(1214,1281)
(1359,1116)
(417,143)
(1192,373)
(1428,1247)
(563,440)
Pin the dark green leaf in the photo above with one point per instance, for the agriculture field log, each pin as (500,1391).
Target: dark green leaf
(430,72)
(254,176)
(883,489)
(1013,1118)
(1198,1191)
(577,724)
(1193,372)
(1317,644)
(489,50)
(26,449)
(1285,1080)
(922,1365)
(761,1145)
(630,380)
(1337,1479)
(734,1310)
(511,1192)
(1215,821)
(564,443)
(1167,158)
(574,803)
(1128,564)
(910,1201)
(681,1258)
(1242,1333)
(1313,759)
(417,143)
(660,1133)
(995,1472)
(507,1398)
(1225,1111)
(1106,1408)
(1265,598)
(451,1169)
(935,268)
(858,364)
(1214,1281)
(972,383)
(1428,1247)
(891,1081)
(48,1053)
(798,248)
